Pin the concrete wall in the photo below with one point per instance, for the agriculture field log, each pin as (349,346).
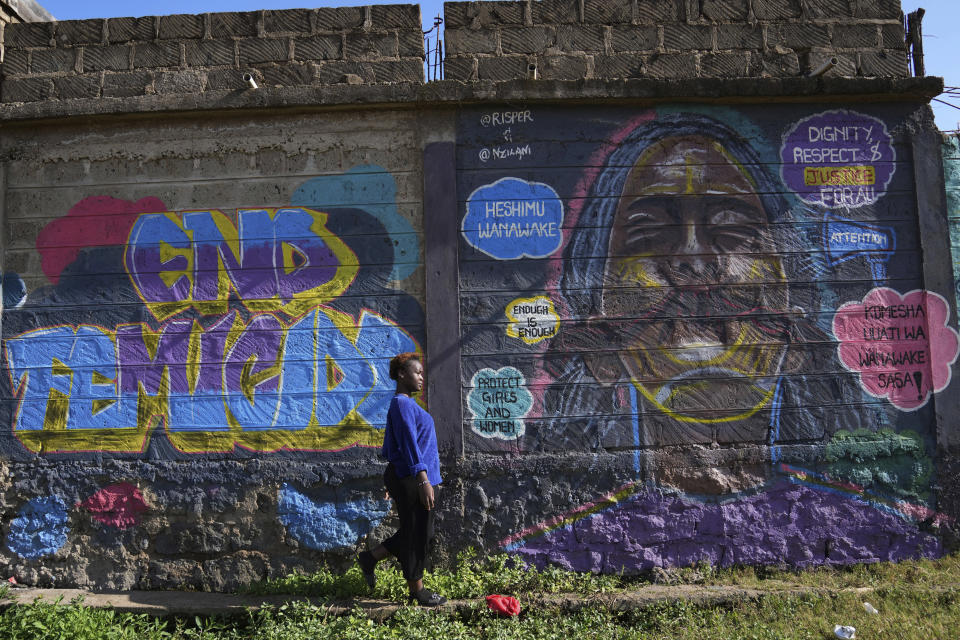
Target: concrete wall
(23,11)
(198,316)
(659,328)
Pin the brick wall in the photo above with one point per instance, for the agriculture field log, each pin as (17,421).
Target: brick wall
(122,57)
(13,11)
(572,39)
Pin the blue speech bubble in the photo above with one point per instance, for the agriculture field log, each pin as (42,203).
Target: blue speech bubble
(513,218)
(848,239)
(499,401)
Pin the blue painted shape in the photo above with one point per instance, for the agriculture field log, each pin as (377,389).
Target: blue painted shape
(81,365)
(254,357)
(14,291)
(93,361)
(299,373)
(635,415)
(328,525)
(372,189)
(512,218)
(334,405)
(145,263)
(379,340)
(846,239)
(39,529)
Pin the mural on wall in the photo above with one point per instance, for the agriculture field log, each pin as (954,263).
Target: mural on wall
(119,505)
(328,524)
(739,305)
(250,332)
(498,402)
(40,528)
(238,341)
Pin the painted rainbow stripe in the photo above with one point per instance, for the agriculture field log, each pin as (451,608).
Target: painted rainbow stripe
(606,501)
(901,508)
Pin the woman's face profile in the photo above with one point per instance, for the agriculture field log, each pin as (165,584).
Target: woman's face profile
(410,376)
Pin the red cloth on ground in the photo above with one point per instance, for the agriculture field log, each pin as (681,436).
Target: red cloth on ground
(504,605)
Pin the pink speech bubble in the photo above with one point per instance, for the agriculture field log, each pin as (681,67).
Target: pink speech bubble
(900,345)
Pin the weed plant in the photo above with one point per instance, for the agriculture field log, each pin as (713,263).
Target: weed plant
(42,620)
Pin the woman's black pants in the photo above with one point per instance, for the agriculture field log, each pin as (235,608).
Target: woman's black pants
(409,543)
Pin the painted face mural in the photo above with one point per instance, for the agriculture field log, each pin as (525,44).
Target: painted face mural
(694,310)
(732,312)
(691,260)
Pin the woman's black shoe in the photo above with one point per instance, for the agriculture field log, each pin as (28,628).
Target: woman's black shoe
(427,598)
(367,565)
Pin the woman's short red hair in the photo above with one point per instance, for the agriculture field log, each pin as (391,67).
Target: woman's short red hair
(400,361)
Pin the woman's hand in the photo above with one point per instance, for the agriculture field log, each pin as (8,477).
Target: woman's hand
(425,489)
(426,495)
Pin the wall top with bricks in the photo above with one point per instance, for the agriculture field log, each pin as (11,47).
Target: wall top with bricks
(188,54)
(569,39)
(374,54)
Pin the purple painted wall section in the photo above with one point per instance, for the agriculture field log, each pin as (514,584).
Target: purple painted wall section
(790,524)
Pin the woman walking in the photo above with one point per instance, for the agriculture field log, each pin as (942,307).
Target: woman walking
(413,471)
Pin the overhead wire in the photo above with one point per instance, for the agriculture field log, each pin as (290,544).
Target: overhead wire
(949,104)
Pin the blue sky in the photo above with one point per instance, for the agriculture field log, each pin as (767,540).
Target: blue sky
(942,18)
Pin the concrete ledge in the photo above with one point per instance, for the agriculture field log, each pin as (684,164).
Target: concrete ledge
(449,92)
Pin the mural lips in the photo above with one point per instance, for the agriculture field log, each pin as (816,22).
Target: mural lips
(118,505)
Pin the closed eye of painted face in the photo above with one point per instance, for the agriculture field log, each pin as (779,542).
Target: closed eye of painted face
(671,225)
(687,200)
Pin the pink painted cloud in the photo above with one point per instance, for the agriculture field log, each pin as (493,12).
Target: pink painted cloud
(118,505)
(899,344)
(97,221)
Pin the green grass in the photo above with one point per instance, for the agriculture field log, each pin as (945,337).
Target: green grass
(472,576)
(917,601)
(944,571)
(58,620)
